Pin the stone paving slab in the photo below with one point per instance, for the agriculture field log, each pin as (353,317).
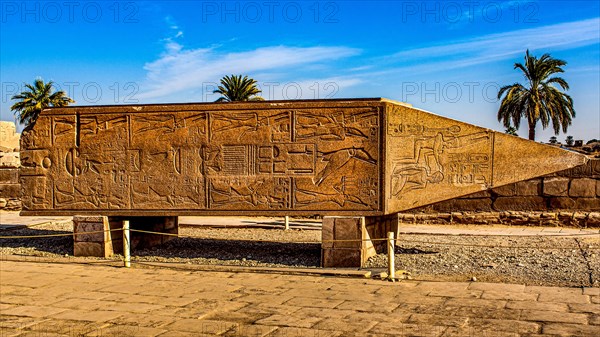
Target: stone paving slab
(259,304)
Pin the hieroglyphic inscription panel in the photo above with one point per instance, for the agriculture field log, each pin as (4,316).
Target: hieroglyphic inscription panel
(305,159)
(339,157)
(431,158)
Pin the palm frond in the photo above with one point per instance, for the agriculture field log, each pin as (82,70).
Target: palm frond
(38,96)
(236,88)
(541,101)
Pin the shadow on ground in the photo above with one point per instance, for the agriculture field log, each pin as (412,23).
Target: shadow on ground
(296,224)
(52,244)
(236,252)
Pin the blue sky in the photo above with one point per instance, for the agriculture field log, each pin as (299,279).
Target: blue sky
(448,57)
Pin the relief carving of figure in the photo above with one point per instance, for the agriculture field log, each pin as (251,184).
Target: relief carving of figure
(427,166)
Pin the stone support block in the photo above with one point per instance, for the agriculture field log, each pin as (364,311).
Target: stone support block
(342,244)
(379,227)
(354,247)
(161,224)
(91,236)
(88,242)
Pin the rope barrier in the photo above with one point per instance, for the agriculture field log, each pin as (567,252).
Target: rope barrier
(380,239)
(401,241)
(17,227)
(201,237)
(55,235)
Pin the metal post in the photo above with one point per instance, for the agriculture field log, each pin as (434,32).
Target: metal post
(287,222)
(391,257)
(126,246)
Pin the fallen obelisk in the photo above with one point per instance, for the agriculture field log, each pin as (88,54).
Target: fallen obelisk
(345,159)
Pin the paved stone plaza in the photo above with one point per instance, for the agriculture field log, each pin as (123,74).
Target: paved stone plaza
(56,299)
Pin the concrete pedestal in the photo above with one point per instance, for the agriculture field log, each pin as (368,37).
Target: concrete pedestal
(347,241)
(108,243)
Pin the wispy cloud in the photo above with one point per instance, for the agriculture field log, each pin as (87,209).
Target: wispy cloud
(179,69)
(493,47)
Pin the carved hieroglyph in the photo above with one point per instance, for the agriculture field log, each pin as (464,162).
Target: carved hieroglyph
(363,157)
(431,158)
(239,158)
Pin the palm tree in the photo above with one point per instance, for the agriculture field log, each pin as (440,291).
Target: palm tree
(36,98)
(235,88)
(540,100)
(511,130)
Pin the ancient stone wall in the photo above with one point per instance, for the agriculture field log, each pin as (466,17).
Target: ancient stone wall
(10,190)
(569,197)
(9,138)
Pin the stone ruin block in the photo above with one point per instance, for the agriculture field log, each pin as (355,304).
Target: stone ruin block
(562,203)
(9,138)
(9,176)
(556,186)
(10,190)
(344,157)
(583,187)
(365,157)
(529,187)
(521,203)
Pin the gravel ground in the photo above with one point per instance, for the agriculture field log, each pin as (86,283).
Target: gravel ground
(541,260)
(536,260)
(240,247)
(47,247)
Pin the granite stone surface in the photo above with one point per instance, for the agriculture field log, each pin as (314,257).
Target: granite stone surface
(366,157)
